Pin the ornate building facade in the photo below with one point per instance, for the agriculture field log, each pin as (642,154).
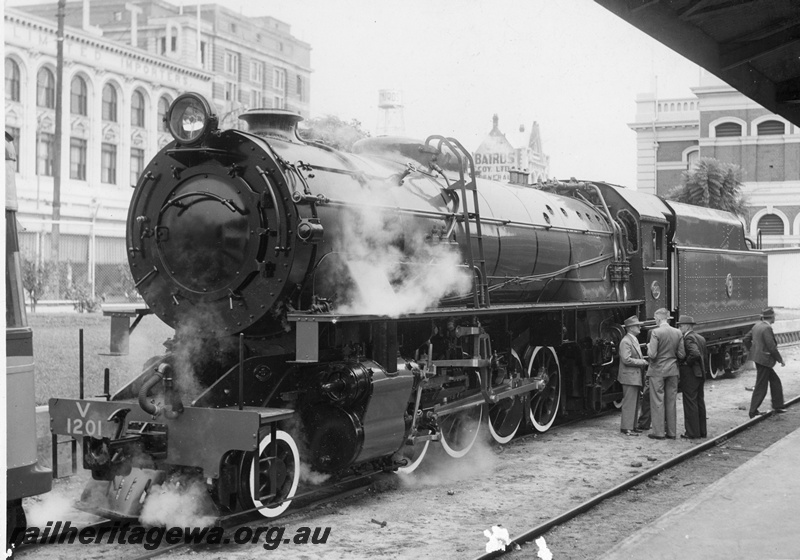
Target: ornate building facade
(497,156)
(124,64)
(719,122)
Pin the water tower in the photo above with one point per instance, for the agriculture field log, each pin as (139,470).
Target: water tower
(390,113)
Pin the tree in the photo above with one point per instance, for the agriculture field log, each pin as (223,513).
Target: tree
(713,184)
(35,278)
(333,131)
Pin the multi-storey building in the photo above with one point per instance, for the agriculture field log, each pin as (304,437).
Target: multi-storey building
(124,63)
(498,155)
(719,122)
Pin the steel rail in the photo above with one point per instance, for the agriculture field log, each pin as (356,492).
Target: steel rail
(542,528)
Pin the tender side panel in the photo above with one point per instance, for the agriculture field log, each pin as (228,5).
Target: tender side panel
(721,288)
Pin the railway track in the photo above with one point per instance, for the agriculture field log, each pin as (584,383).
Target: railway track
(724,439)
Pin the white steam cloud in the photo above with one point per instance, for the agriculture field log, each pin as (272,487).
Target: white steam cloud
(394,270)
(180,502)
(439,469)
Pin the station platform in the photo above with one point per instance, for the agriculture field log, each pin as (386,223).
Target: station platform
(752,512)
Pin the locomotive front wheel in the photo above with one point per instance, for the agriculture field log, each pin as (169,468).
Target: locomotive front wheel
(543,405)
(459,430)
(505,416)
(413,454)
(283,454)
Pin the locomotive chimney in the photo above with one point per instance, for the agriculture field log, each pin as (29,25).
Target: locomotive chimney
(276,123)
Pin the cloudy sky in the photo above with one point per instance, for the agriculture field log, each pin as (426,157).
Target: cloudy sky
(570,65)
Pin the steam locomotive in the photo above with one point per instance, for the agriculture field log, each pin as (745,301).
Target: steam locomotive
(345,310)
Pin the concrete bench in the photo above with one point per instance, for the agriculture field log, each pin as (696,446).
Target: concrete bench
(121,327)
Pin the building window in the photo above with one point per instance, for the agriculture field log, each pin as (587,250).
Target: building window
(45,147)
(109,103)
(279,78)
(770,224)
(45,89)
(278,102)
(137,109)
(77,159)
(728,129)
(231,90)
(108,164)
(137,164)
(14,132)
(255,99)
(257,72)
(203,48)
(78,97)
(232,63)
(691,158)
(163,106)
(300,92)
(768,128)
(12,80)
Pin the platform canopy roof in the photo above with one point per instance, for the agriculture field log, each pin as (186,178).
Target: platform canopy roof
(753,45)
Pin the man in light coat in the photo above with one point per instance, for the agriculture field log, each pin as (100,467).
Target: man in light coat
(760,341)
(663,351)
(631,365)
(693,377)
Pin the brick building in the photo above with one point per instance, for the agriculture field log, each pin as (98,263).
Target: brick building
(719,122)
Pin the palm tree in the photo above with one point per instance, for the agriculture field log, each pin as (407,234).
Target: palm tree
(713,184)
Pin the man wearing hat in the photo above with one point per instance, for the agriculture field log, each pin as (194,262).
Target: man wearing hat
(760,341)
(631,364)
(693,376)
(664,350)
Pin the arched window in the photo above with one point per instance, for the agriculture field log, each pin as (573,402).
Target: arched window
(78,98)
(109,103)
(137,109)
(728,129)
(45,89)
(691,158)
(163,105)
(770,224)
(767,128)
(12,80)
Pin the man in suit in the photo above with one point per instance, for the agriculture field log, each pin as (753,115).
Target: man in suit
(631,365)
(663,351)
(760,341)
(693,376)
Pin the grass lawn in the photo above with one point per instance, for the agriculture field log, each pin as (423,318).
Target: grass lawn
(56,352)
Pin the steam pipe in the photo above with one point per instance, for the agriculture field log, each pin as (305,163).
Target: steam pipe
(151,382)
(162,373)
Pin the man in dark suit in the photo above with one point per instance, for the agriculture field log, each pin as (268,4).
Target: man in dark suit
(631,365)
(760,341)
(663,351)
(693,377)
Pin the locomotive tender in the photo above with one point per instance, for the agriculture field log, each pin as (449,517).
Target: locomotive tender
(344,310)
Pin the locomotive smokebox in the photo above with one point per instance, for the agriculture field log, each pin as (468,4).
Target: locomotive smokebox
(275,123)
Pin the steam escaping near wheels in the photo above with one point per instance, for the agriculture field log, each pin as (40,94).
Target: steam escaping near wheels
(413,454)
(459,431)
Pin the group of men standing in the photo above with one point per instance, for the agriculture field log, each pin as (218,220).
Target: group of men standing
(680,353)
